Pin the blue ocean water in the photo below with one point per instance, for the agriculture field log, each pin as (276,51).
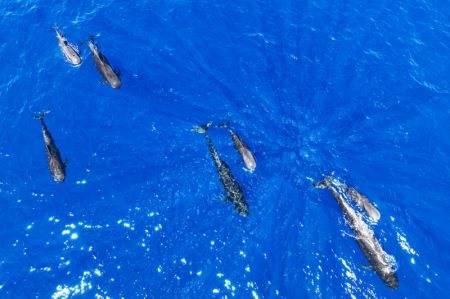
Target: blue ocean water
(361,88)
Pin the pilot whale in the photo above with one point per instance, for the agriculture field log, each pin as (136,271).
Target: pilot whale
(241,147)
(364,236)
(234,192)
(55,165)
(70,51)
(361,200)
(103,66)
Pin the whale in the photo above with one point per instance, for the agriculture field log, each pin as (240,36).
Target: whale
(380,261)
(241,147)
(70,52)
(360,199)
(55,164)
(103,66)
(234,192)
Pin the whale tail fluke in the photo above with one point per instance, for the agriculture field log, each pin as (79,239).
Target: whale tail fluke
(224,125)
(90,39)
(325,182)
(41,115)
(201,129)
(59,35)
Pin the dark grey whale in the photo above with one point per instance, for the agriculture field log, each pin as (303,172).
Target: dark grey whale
(55,164)
(234,192)
(241,147)
(103,66)
(364,236)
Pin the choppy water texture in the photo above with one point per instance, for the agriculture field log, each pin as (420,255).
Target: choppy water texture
(360,88)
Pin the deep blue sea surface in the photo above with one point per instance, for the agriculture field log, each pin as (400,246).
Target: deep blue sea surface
(358,87)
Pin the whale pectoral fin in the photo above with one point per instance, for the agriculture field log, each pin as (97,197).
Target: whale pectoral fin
(66,162)
(103,81)
(226,199)
(117,71)
(367,267)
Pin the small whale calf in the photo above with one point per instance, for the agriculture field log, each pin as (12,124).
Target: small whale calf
(364,236)
(104,67)
(70,51)
(231,186)
(361,200)
(241,147)
(55,164)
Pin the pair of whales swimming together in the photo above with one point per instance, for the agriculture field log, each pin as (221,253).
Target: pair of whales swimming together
(234,192)
(72,55)
(364,236)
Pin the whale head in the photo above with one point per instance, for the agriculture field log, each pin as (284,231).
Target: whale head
(59,177)
(57,169)
(75,59)
(390,279)
(241,208)
(115,83)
